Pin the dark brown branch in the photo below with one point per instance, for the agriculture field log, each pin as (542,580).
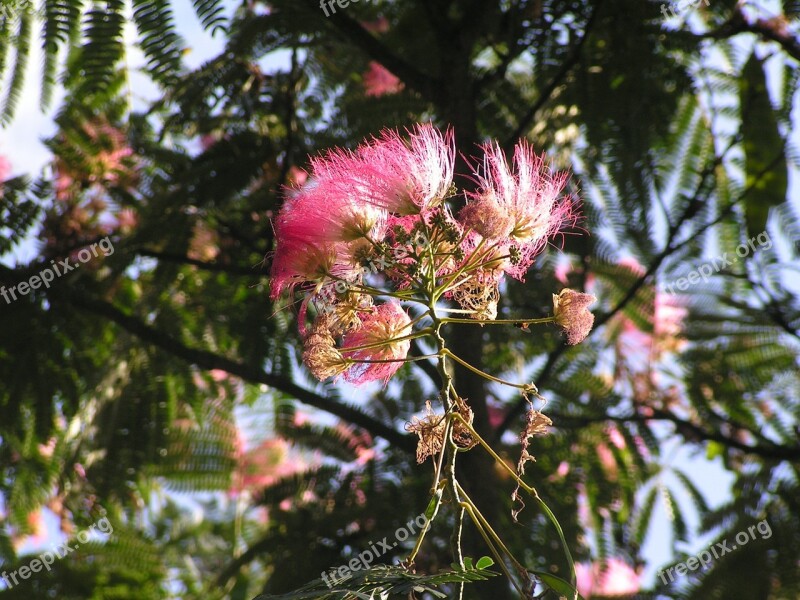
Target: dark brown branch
(774,30)
(357,35)
(206,266)
(208,360)
(688,429)
(525,122)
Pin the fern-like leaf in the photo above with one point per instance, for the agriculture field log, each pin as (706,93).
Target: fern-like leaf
(22,43)
(162,46)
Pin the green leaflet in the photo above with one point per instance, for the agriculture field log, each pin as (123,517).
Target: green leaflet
(764,148)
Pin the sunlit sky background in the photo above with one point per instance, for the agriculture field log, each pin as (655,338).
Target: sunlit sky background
(21,142)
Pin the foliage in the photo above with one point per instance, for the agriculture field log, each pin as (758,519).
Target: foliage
(126,384)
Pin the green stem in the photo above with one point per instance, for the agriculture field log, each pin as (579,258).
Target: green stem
(391,360)
(500,321)
(491,531)
(529,489)
(495,552)
(527,388)
(389,342)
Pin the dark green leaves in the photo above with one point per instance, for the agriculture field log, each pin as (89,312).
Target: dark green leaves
(764,148)
(383,581)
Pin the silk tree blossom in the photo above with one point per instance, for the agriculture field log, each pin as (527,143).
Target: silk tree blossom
(5,168)
(518,208)
(385,203)
(322,210)
(379,81)
(377,340)
(616,579)
(299,260)
(308,249)
(399,176)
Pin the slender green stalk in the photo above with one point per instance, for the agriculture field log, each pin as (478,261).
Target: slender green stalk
(391,360)
(495,552)
(529,489)
(499,321)
(527,388)
(382,343)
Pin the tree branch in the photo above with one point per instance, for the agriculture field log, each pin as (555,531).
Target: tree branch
(774,30)
(687,429)
(525,122)
(208,360)
(353,31)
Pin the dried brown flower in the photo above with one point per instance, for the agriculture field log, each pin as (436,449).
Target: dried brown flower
(320,354)
(479,297)
(572,314)
(536,423)
(431,429)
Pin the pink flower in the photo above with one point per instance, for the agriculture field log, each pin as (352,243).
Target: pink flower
(379,25)
(127,220)
(402,177)
(319,230)
(5,168)
(607,461)
(669,315)
(520,208)
(297,262)
(376,340)
(379,81)
(264,465)
(346,205)
(617,579)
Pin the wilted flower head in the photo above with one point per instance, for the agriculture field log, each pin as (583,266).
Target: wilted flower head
(321,356)
(572,314)
(376,340)
(432,427)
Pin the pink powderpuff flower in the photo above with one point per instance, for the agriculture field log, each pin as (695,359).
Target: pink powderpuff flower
(263,465)
(5,168)
(299,260)
(376,340)
(379,81)
(337,216)
(402,177)
(617,579)
(518,208)
(310,236)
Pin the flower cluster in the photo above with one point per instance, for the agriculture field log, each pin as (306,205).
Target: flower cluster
(386,203)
